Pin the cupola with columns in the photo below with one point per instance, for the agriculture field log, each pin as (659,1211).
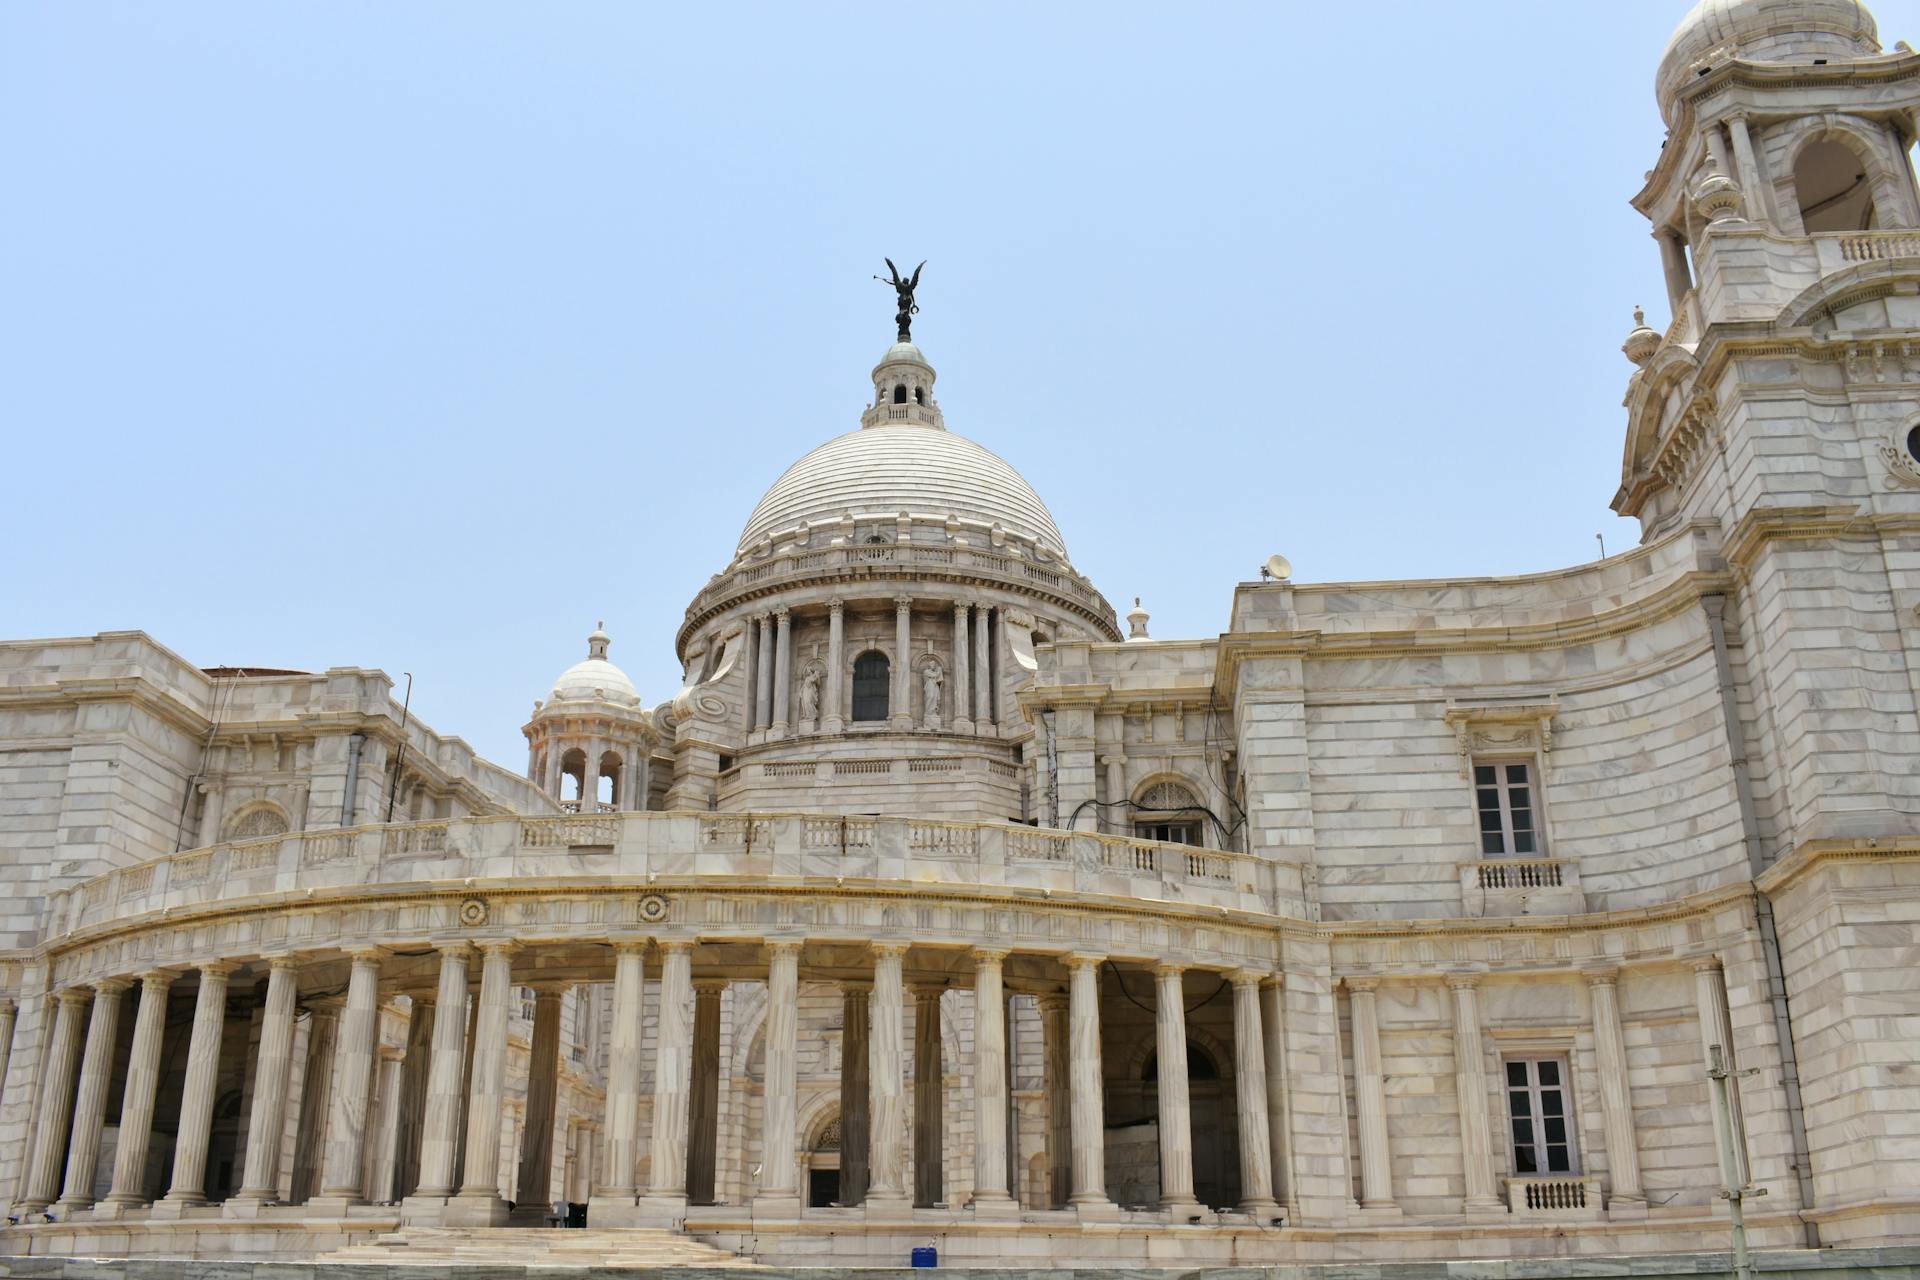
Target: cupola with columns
(590,744)
(878,617)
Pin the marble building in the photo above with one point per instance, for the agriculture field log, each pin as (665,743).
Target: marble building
(1399,920)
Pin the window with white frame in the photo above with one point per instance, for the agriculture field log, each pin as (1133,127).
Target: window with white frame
(1503,792)
(1540,1117)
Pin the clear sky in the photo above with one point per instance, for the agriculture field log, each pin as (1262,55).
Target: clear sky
(423,336)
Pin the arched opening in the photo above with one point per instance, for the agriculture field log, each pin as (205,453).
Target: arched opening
(823,1164)
(1213,1121)
(919,395)
(900,393)
(1169,813)
(1834,191)
(573,774)
(611,779)
(257,822)
(870,680)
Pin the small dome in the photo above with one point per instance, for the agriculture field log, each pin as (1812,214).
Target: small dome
(1642,341)
(1790,31)
(904,353)
(594,676)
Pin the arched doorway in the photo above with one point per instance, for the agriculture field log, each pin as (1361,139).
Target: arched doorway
(823,1163)
(1216,1126)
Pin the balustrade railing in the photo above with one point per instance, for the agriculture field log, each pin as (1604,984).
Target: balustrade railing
(1566,1196)
(797,561)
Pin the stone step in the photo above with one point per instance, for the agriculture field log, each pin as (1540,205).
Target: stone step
(538,1246)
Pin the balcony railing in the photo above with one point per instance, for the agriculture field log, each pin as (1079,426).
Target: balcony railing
(592,850)
(1522,887)
(1569,1196)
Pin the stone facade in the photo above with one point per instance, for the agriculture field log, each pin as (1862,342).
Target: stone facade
(1399,920)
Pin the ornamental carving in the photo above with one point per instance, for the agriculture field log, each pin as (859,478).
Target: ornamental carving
(473,912)
(1903,470)
(653,908)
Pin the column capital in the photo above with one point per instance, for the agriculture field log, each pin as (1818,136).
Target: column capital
(1113,759)
(283,960)
(1463,981)
(217,968)
(984,957)
(1704,964)
(710,986)
(1605,976)
(902,603)
(1275,979)
(454,947)
(927,990)
(782,613)
(496,946)
(1247,977)
(1084,960)
(783,946)
(1052,1001)
(882,949)
(673,946)
(157,979)
(368,954)
(1360,984)
(112,986)
(76,995)
(1166,968)
(836,604)
(625,944)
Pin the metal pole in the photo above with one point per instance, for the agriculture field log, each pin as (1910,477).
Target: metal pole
(1721,1080)
(399,756)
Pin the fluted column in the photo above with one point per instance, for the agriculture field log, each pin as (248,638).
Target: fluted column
(8,1012)
(672,1067)
(1086,1084)
(900,710)
(1370,1097)
(620,1150)
(782,671)
(274,1063)
(1115,817)
(983,709)
(479,1199)
(990,1083)
(780,1115)
(348,1112)
(1470,1081)
(143,1083)
(1273,1004)
(90,1101)
(962,698)
(590,777)
(703,1092)
(440,1121)
(886,1077)
(763,680)
(410,1121)
(1250,1085)
(1716,1028)
(543,1090)
(855,998)
(1176,1112)
(56,1099)
(833,718)
(1616,1102)
(929,1127)
(1056,1040)
(203,1076)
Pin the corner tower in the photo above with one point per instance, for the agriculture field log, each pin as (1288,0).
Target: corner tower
(862,650)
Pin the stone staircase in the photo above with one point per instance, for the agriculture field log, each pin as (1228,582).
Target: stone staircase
(636,1247)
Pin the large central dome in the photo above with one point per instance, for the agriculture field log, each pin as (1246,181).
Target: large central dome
(902,460)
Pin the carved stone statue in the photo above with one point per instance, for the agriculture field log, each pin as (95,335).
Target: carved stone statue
(903,318)
(810,695)
(930,681)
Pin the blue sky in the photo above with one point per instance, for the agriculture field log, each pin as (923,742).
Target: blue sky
(423,336)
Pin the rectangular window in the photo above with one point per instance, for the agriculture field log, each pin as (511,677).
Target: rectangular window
(1503,793)
(1541,1119)
(1168,832)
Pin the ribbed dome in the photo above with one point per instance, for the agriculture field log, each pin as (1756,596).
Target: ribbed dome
(1795,31)
(882,471)
(594,676)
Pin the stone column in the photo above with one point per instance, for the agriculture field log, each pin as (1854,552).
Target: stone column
(410,1123)
(440,1118)
(56,1100)
(1056,1044)
(348,1112)
(1716,1028)
(854,1129)
(782,671)
(1115,823)
(886,1078)
(990,1194)
(90,1102)
(543,1087)
(386,1132)
(316,1085)
(1369,1087)
(1176,1112)
(203,1076)
(929,1090)
(620,1152)
(210,815)
(749,681)
(1250,1091)
(703,1096)
(471,1042)
(8,1012)
(983,709)
(1673,261)
(590,776)
(832,715)
(1002,694)
(900,710)
(763,696)
(1616,1102)
(554,752)
(1273,1003)
(143,1083)
(672,1065)
(1470,1080)
(1758,191)
(479,1202)
(259,1183)
(1087,1086)
(778,1194)
(962,675)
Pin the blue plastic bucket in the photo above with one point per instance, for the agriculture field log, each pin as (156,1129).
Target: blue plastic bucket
(926,1256)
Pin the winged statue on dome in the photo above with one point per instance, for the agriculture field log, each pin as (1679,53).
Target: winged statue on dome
(908,308)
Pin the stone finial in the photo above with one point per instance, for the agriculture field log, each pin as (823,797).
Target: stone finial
(1716,197)
(1641,341)
(1137,622)
(597,642)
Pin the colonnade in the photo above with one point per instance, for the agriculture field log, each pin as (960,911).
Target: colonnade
(450,1102)
(972,701)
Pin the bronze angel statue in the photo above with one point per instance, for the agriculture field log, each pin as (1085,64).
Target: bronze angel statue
(904,316)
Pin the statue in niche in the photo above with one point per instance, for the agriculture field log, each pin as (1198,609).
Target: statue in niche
(930,681)
(810,694)
(903,318)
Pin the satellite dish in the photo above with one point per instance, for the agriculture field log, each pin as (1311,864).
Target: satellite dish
(1279,568)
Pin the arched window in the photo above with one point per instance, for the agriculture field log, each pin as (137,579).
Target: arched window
(1168,813)
(257,823)
(919,396)
(900,393)
(1835,194)
(1200,1066)
(870,671)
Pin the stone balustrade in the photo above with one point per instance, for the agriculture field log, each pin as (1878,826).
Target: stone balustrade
(1522,886)
(636,847)
(1564,1197)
